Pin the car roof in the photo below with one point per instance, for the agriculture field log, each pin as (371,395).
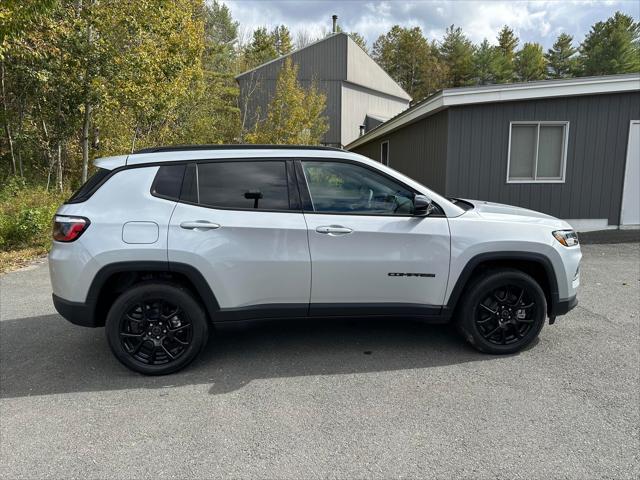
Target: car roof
(171,154)
(177,148)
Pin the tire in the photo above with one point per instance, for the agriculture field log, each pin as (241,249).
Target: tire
(502,312)
(156,328)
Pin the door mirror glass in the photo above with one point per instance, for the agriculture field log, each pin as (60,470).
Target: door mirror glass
(422,205)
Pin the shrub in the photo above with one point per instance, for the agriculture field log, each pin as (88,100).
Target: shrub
(26,213)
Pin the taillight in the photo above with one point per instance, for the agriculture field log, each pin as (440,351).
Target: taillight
(68,229)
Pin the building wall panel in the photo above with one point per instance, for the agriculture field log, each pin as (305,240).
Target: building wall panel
(598,131)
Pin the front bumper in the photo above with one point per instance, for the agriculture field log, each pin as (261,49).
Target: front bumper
(75,312)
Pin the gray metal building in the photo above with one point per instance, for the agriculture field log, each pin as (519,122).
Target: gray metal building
(570,148)
(359,92)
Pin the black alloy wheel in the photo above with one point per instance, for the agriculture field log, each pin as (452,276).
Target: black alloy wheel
(155,332)
(502,311)
(506,315)
(156,328)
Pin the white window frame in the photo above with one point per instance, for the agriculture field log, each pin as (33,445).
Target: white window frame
(563,159)
(388,154)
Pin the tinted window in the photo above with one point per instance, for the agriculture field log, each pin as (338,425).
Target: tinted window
(346,188)
(86,190)
(189,186)
(168,181)
(246,185)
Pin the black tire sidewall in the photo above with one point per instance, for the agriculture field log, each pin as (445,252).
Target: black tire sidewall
(171,293)
(476,294)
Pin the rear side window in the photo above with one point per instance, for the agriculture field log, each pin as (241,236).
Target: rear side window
(90,186)
(168,181)
(260,185)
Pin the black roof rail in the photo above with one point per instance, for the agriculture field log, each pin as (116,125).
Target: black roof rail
(246,146)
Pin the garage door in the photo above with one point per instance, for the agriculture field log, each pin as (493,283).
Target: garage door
(630,212)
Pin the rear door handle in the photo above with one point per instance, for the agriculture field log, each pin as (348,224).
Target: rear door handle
(333,230)
(199,225)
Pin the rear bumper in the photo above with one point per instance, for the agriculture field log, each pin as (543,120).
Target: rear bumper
(562,307)
(76,313)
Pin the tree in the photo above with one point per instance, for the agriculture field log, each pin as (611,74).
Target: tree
(504,60)
(303,38)
(16,19)
(209,113)
(410,60)
(282,40)
(611,47)
(530,63)
(483,61)
(456,52)
(561,57)
(260,50)
(220,36)
(294,115)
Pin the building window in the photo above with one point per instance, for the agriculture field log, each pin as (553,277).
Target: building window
(537,152)
(384,153)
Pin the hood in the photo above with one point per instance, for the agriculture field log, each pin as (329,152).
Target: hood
(500,211)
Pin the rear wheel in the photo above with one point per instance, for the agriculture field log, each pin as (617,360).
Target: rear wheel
(156,328)
(502,312)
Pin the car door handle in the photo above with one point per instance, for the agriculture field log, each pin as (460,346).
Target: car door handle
(334,230)
(199,225)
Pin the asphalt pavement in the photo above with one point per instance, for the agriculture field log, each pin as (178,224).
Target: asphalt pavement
(329,399)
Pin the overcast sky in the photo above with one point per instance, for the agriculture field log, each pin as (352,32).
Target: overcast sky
(539,21)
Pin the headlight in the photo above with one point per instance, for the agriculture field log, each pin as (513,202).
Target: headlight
(568,238)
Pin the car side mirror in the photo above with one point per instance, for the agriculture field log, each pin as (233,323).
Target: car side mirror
(421,205)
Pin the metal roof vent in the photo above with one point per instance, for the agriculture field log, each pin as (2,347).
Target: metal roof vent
(335,23)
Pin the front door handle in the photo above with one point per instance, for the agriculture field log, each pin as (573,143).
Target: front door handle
(199,225)
(334,230)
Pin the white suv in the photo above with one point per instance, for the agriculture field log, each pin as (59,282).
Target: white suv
(163,244)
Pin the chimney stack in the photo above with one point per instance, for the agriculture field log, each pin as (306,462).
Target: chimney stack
(335,23)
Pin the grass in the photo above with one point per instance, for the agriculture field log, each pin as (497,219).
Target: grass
(26,212)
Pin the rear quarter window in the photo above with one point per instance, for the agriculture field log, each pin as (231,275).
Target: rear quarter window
(168,182)
(90,186)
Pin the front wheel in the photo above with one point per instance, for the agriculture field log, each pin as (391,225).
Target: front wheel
(502,312)
(156,328)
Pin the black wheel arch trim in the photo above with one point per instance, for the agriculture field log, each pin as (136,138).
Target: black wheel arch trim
(481,258)
(191,273)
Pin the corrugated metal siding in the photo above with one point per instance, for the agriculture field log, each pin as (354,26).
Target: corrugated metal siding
(418,150)
(598,130)
(326,60)
(259,101)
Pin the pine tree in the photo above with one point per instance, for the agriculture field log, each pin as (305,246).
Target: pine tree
(483,61)
(503,65)
(260,50)
(281,38)
(220,37)
(530,63)
(611,47)
(456,52)
(561,57)
(410,60)
(294,115)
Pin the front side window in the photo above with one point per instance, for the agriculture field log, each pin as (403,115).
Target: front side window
(259,185)
(537,152)
(337,187)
